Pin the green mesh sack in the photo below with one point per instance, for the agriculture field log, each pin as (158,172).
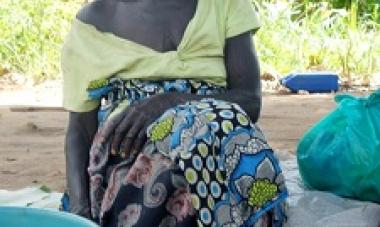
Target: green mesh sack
(341,153)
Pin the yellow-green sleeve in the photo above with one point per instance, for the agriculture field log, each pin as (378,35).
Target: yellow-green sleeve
(75,97)
(76,66)
(241,17)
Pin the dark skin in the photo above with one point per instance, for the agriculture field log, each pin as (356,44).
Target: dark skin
(158,24)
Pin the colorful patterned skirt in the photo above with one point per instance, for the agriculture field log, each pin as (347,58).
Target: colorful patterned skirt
(206,164)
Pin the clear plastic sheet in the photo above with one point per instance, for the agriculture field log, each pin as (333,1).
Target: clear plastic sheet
(315,208)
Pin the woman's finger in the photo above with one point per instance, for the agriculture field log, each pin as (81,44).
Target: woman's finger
(121,131)
(130,137)
(111,124)
(140,139)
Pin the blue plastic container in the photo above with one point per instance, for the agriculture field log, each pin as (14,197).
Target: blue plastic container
(34,217)
(313,82)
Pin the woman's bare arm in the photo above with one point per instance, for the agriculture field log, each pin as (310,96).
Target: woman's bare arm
(244,86)
(80,133)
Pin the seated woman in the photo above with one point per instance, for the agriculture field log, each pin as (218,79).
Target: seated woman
(163,99)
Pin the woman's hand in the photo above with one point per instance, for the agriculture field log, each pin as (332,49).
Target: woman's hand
(130,126)
(244,88)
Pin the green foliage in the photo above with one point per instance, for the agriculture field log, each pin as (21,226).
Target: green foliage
(31,33)
(363,7)
(45,189)
(323,39)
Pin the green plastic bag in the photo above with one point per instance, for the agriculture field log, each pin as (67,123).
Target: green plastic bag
(341,153)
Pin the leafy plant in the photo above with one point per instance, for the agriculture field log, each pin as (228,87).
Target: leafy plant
(324,39)
(31,34)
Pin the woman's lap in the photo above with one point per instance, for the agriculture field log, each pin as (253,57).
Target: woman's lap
(205,162)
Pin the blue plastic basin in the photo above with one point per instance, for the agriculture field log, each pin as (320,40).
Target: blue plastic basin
(33,217)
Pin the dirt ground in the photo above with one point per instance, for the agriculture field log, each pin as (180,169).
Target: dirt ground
(31,143)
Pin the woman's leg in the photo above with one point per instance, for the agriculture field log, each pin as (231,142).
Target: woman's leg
(147,190)
(232,173)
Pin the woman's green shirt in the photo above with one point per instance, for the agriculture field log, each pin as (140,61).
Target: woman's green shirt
(89,55)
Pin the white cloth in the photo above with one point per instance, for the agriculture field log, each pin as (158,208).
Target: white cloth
(30,197)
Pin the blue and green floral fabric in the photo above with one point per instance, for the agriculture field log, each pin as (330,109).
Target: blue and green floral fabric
(206,164)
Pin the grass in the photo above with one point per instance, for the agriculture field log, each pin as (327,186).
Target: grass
(31,35)
(32,32)
(324,39)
